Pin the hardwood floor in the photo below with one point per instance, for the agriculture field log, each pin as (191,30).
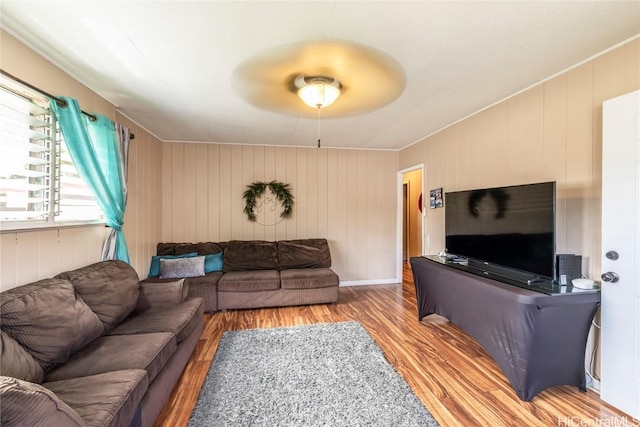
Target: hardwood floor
(453,376)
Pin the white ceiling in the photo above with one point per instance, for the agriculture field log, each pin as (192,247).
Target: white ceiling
(168,65)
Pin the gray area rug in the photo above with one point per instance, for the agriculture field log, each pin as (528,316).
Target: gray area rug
(317,375)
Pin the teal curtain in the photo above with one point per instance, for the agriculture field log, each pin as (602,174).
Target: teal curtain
(94,148)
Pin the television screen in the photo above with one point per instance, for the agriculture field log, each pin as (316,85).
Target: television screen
(511,227)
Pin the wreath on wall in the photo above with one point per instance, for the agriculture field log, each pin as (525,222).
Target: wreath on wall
(255,190)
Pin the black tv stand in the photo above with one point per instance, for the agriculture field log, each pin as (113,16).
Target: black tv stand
(535,279)
(537,338)
(506,275)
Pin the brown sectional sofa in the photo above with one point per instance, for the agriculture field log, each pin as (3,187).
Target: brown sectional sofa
(94,347)
(259,273)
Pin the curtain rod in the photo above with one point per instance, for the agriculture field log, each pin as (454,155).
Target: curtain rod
(61,102)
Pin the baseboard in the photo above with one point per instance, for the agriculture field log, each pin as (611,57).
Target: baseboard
(370,282)
(594,385)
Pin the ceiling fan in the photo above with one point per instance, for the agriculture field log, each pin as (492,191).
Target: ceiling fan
(355,79)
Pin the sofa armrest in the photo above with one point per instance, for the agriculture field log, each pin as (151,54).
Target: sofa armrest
(29,404)
(162,294)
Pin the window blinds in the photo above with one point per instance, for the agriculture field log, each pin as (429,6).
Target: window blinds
(38,180)
(25,156)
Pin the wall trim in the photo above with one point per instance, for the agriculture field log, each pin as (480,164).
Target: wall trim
(175,141)
(347,283)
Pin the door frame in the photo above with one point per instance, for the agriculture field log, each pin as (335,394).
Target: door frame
(400,218)
(406,225)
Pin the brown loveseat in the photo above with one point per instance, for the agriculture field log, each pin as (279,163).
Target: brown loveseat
(258,273)
(94,347)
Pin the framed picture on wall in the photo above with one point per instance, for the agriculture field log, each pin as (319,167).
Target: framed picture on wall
(435,198)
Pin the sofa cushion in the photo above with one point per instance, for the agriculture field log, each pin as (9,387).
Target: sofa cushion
(179,319)
(154,267)
(304,253)
(28,404)
(49,320)
(108,399)
(210,279)
(240,255)
(17,362)
(308,278)
(110,288)
(202,248)
(166,248)
(118,352)
(205,287)
(208,248)
(163,294)
(249,281)
(184,248)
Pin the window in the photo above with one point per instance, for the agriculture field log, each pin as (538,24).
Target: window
(39,184)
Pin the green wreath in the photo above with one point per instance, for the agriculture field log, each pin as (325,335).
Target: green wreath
(257,189)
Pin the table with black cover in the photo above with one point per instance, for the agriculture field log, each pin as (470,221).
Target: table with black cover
(537,337)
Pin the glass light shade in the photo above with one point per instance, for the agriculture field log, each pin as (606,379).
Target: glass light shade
(318,94)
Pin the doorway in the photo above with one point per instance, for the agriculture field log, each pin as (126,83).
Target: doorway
(410,217)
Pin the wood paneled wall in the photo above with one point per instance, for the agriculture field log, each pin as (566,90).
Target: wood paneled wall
(192,192)
(551,132)
(33,255)
(346,196)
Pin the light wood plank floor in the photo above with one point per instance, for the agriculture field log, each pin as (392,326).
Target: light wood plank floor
(452,375)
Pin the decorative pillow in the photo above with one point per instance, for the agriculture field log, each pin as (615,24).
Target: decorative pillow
(213,262)
(29,404)
(49,320)
(154,269)
(181,267)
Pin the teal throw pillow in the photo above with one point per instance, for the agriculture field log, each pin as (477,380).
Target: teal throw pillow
(154,269)
(213,262)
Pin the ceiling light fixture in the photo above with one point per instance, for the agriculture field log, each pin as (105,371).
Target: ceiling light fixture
(318,92)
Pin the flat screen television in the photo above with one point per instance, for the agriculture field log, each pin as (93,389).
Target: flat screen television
(511,228)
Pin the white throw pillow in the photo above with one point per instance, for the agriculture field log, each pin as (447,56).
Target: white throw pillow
(182,267)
